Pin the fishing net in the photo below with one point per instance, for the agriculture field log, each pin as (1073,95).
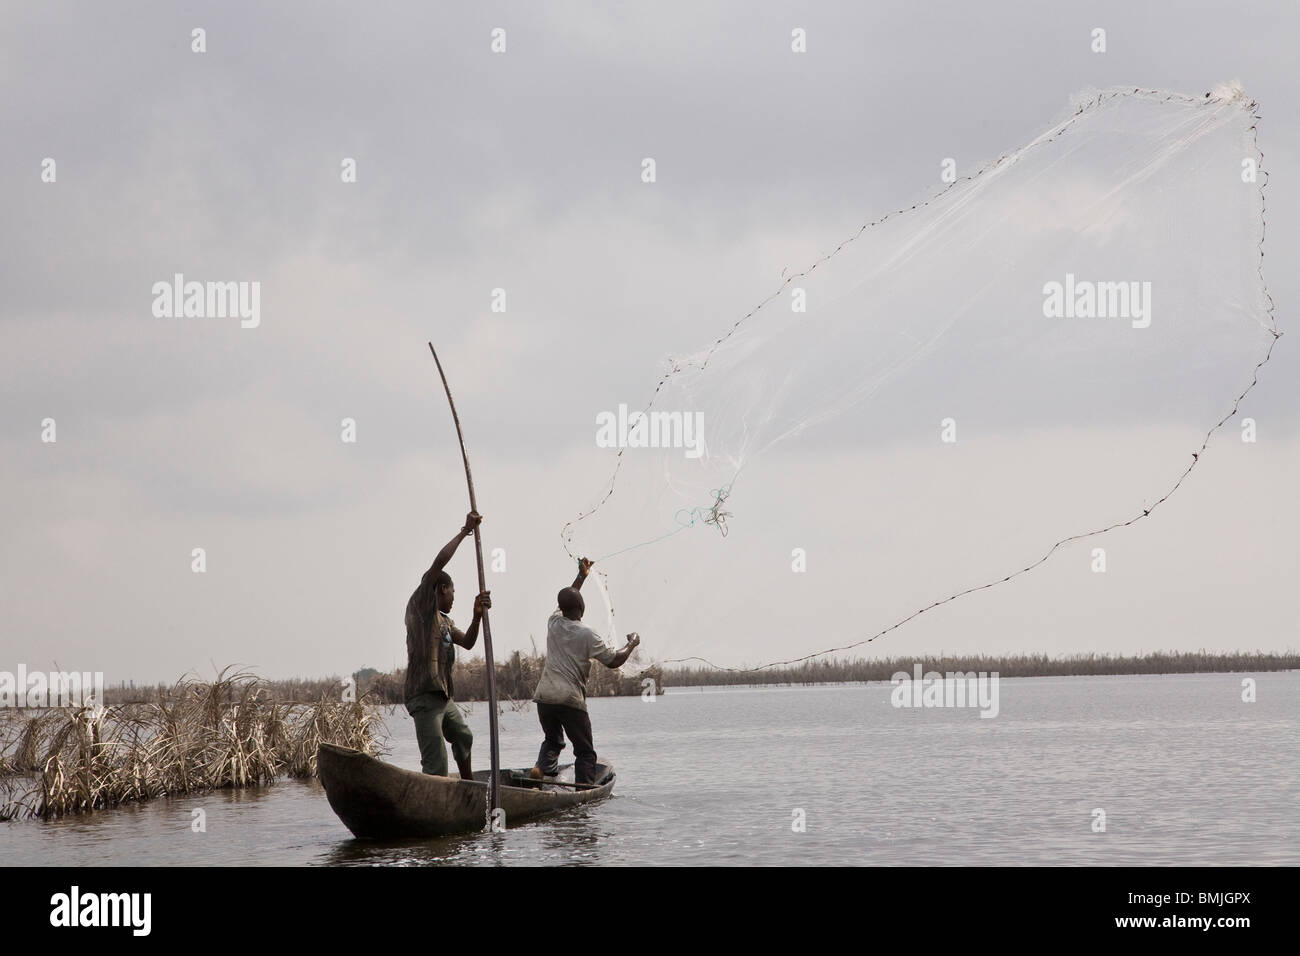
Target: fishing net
(986,380)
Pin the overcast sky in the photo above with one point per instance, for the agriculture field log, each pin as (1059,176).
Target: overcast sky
(522,170)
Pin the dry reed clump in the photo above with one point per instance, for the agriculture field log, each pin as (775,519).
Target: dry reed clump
(198,736)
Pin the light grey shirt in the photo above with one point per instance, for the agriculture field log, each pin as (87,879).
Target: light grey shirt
(571,646)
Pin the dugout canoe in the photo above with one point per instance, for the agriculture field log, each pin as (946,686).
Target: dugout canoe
(378,801)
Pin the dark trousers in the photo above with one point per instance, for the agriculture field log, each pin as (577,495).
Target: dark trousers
(557,721)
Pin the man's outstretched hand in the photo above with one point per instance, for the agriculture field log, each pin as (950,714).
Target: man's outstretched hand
(472,521)
(621,657)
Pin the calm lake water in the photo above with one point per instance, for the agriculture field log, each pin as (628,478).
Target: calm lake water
(1185,771)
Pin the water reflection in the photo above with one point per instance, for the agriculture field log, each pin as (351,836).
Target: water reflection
(432,852)
(577,836)
(574,835)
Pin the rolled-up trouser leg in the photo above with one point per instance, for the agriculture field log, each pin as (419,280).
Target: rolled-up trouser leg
(457,732)
(427,712)
(548,758)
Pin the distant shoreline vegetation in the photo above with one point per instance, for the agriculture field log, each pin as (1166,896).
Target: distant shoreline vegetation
(858,670)
(518,674)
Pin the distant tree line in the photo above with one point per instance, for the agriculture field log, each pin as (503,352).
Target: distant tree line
(1023,665)
(516,680)
(518,674)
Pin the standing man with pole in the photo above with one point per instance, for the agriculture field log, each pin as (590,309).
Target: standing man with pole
(494,781)
(431,637)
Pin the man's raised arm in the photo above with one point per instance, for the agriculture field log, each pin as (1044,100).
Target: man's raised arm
(584,568)
(423,597)
(472,521)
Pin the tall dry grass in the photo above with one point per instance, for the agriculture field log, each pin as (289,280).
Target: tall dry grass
(197,736)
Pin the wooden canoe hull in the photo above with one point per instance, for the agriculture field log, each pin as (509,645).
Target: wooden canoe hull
(378,801)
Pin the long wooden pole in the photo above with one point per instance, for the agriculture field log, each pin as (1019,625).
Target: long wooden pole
(494,795)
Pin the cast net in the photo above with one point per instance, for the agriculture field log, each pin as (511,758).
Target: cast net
(966,389)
